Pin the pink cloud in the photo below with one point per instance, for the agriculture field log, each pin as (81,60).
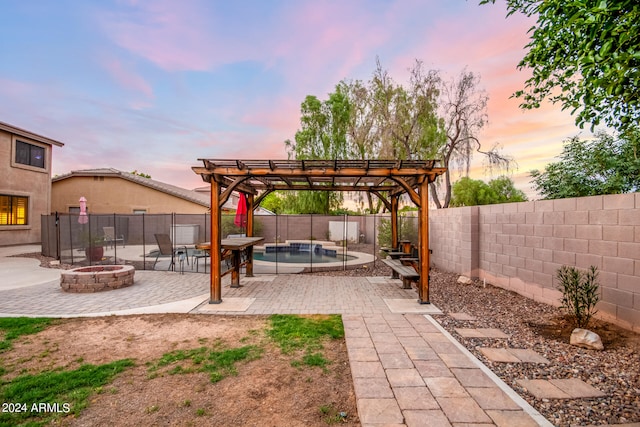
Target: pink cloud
(127,78)
(172,36)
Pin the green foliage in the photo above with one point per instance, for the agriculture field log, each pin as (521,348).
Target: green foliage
(72,387)
(407,230)
(312,202)
(579,293)
(275,202)
(332,415)
(606,165)
(303,202)
(142,174)
(14,327)
(474,192)
(219,362)
(227,226)
(585,55)
(293,333)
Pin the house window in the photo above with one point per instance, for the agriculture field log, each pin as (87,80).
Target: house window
(139,211)
(29,154)
(13,210)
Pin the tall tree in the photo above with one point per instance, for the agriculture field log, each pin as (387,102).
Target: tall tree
(362,132)
(605,165)
(381,119)
(407,118)
(323,135)
(584,54)
(463,106)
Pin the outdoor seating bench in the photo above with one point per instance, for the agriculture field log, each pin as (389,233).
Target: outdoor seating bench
(407,273)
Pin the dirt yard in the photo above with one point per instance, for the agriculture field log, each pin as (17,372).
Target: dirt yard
(268,391)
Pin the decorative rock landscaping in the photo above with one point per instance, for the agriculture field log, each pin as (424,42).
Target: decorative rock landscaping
(97,278)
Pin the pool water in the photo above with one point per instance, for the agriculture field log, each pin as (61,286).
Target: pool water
(300,257)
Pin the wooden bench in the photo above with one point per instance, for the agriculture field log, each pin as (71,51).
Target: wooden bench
(407,273)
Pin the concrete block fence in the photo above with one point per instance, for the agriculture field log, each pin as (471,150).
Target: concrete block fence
(520,247)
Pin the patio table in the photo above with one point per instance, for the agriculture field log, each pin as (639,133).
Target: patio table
(236,245)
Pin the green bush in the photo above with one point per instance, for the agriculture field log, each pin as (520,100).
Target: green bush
(579,293)
(407,230)
(227,226)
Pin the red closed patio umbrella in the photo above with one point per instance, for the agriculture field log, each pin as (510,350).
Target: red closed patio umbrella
(241,212)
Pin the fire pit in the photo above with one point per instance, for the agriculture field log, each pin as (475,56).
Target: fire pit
(97,278)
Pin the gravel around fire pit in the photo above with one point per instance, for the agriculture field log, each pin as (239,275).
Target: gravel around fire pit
(542,328)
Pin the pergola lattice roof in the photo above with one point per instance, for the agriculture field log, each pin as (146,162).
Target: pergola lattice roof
(251,176)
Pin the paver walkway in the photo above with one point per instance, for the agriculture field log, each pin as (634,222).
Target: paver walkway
(408,371)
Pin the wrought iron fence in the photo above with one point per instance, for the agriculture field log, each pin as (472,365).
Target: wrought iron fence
(292,243)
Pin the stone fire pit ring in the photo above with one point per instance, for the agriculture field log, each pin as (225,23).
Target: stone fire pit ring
(97,278)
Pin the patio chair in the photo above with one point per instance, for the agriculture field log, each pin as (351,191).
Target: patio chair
(165,248)
(110,237)
(196,256)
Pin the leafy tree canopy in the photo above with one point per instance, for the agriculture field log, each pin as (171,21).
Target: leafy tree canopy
(584,54)
(605,165)
(473,192)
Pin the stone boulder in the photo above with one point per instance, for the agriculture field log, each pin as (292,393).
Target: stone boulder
(465,280)
(586,339)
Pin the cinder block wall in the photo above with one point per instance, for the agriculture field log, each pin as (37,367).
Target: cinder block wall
(520,247)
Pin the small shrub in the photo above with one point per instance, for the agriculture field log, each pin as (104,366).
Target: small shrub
(579,293)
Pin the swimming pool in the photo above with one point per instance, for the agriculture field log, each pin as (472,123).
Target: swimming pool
(301,257)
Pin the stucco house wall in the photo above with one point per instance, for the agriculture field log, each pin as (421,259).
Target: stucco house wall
(27,181)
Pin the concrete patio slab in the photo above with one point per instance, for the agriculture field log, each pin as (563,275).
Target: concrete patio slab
(445,387)
(462,410)
(492,398)
(576,388)
(473,377)
(481,333)
(501,355)
(528,356)
(379,411)
(511,418)
(512,355)
(543,389)
(415,398)
(404,378)
(410,306)
(372,388)
(227,304)
(426,418)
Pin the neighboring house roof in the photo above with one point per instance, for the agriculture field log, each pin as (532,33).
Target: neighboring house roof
(173,190)
(26,134)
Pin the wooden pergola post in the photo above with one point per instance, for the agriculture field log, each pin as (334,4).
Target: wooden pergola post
(394,223)
(423,232)
(216,277)
(250,207)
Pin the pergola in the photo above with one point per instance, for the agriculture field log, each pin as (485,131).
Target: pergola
(387,179)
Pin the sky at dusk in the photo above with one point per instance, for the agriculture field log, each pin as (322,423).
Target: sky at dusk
(155,85)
